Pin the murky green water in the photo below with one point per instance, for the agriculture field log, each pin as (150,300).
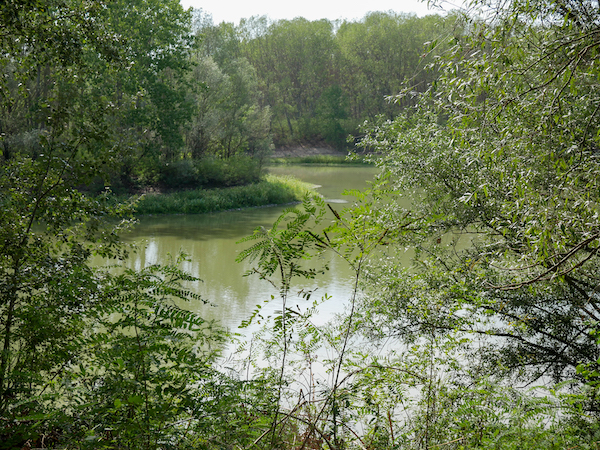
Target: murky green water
(210,240)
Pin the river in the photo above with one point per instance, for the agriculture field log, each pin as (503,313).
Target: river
(210,241)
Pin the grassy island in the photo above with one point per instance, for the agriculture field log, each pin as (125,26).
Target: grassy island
(271,190)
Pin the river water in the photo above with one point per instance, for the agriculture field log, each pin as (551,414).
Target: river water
(210,241)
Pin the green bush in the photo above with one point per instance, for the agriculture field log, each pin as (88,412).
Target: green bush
(210,172)
(179,174)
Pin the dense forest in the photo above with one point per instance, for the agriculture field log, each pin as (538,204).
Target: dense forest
(484,124)
(190,103)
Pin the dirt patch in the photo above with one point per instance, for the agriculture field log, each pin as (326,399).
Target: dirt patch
(302,150)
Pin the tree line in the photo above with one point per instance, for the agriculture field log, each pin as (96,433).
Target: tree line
(191,103)
(322,79)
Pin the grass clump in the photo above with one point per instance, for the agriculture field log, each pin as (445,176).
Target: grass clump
(272,190)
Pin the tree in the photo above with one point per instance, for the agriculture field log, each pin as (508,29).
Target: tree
(380,56)
(295,61)
(332,110)
(52,301)
(228,119)
(503,148)
(301,63)
(48,229)
(41,44)
(149,91)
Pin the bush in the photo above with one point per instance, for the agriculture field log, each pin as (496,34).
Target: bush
(210,172)
(179,174)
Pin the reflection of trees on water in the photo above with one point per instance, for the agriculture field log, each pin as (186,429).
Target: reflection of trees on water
(224,283)
(210,241)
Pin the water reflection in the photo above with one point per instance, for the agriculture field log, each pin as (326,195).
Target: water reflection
(210,241)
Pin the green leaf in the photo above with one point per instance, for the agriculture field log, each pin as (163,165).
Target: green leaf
(135,400)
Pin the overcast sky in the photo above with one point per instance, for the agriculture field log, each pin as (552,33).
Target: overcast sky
(234,10)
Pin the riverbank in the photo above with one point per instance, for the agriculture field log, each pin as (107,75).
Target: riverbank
(313,155)
(272,190)
(324,160)
(299,151)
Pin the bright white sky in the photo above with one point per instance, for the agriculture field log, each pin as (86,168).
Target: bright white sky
(234,10)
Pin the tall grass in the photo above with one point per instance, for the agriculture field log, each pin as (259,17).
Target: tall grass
(272,190)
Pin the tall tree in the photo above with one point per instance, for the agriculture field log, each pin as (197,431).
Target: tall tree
(295,62)
(55,374)
(151,91)
(41,44)
(380,56)
(47,227)
(229,119)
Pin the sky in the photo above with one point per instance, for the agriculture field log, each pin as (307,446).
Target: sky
(234,10)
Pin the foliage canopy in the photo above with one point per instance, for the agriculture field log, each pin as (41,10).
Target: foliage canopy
(503,148)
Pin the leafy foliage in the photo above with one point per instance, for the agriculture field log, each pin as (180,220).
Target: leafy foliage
(499,156)
(502,148)
(86,358)
(322,79)
(49,229)
(342,387)
(145,363)
(273,190)
(229,120)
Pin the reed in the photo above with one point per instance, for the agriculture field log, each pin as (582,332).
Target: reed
(272,190)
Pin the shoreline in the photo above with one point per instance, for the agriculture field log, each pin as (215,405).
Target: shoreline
(273,190)
(300,151)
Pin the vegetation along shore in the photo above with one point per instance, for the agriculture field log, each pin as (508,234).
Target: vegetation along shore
(272,190)
(470,317)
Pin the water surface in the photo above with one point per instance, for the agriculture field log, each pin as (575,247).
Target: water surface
(210,241)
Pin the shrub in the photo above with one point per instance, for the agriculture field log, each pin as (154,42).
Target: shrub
(210,172)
